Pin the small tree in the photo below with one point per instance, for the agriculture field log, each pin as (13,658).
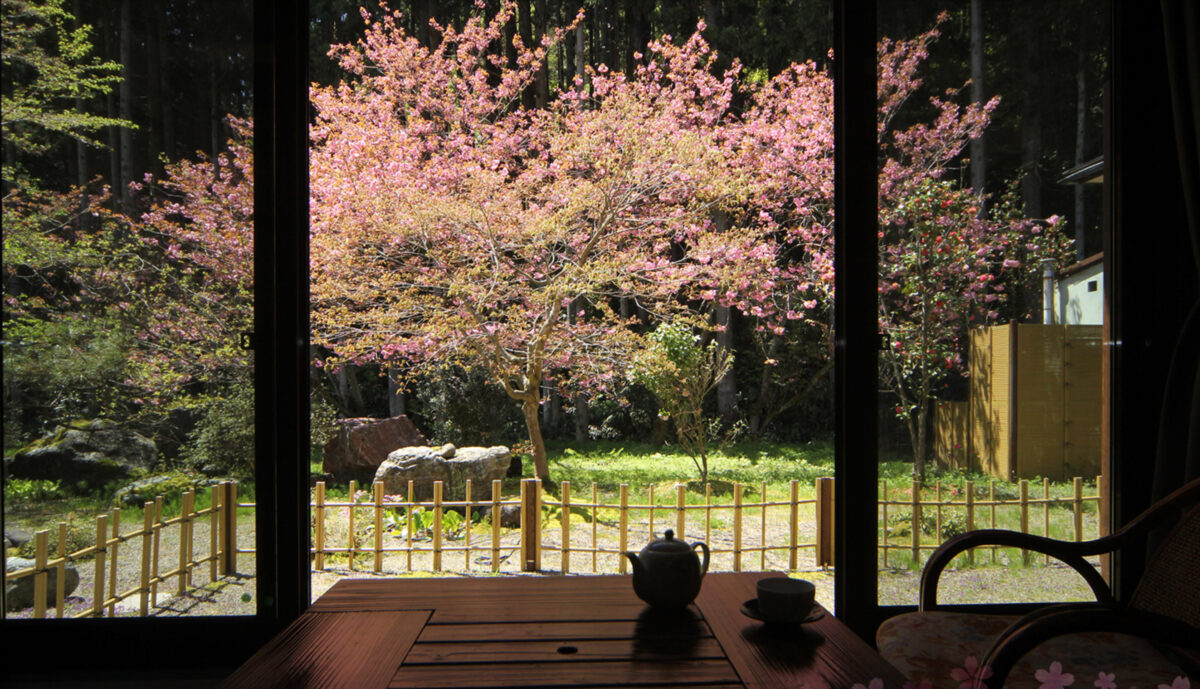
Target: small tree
(680,372)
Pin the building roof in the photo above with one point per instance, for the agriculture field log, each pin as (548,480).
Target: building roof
(1091,172)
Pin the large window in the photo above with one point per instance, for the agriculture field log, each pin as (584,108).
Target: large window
(129,422)
(991,290)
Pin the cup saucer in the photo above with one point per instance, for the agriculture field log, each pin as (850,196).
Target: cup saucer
(750,609)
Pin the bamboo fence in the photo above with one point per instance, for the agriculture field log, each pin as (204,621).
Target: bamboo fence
(979,514)
(568,530)
(221,559)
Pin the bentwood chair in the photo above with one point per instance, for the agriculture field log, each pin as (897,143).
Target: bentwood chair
(1145,641)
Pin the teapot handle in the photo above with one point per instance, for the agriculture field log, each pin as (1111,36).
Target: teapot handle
(704,564)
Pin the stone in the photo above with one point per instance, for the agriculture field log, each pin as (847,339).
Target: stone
(145,490)
(360,445)
(424,465)
(85,456)
(18,594)
(15,537)
(510,515)
(447,451)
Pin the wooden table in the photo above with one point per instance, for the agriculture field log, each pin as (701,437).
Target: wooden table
(551,631)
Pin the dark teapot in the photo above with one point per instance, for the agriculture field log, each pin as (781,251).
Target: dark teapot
(667,573)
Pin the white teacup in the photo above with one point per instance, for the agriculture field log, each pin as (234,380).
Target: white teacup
(783,599)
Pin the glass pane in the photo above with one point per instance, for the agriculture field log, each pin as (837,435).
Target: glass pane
(990,285)
(128,228)
(618,266)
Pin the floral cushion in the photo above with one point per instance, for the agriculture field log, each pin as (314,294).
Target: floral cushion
(943,648)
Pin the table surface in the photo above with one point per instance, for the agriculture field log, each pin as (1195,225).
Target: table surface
(552,631)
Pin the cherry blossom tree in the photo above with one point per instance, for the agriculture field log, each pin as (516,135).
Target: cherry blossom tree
(451,225)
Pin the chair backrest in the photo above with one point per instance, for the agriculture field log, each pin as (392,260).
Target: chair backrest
(1170,584)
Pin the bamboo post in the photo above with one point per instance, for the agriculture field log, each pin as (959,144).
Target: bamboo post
(183,545)
(189,526)
(916,521)
(793,525)
(531,523)
(101,549)
(650,494)
(319,528)
(623,527)
(377,490)
(158,511)
(222,531)
(496,525)
(680,511)
(737,527)
(825,535)
(214,526)
(707,512)
(566,527)
(41,553)
(147,530)
(884,536)
(971,517)
(352,546)
(992,500)
(231,525)
(937,531)
(409,537)
(467,522)
(595,520)
(437,526)
(1102,522)
(1046,513)
(1077,505)
(112,561)
(1025,516)
(60,587)
(762,526)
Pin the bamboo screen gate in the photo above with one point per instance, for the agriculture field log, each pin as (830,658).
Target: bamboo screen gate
(576,533)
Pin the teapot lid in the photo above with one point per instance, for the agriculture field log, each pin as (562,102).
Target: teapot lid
(668,544)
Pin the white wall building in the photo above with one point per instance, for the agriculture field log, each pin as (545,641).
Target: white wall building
(1075,294)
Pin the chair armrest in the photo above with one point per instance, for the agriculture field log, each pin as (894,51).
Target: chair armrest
(1058,620)
(1069,552)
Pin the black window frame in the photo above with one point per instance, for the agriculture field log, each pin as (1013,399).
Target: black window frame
(281,303)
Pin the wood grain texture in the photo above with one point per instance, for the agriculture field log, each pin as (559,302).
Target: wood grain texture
(500,631)
(565,651)
(820,655)
(619,673)
(355,650)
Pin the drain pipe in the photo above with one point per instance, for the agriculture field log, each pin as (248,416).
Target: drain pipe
(1048,291)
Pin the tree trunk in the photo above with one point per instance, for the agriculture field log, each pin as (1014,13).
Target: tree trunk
(164,86)
(395,393)
(1031,137)
(727,387)
(529,406)
(580,56)
(582,420)
(978,149)
(214,117)
(1081,251)
(126,106)
(542,81)
(525,29)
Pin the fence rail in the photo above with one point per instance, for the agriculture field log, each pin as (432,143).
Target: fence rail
(583,531)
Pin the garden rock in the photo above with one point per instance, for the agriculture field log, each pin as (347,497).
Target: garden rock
(360,445)
(424,465)
(85,456)
(15,537)
(145,490)
(510,515)
(18,594)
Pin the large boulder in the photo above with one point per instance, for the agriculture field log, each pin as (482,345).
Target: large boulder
(18,594)
(85,456)
(360,445)
(424,465)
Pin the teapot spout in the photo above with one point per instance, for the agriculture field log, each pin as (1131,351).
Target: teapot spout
(638,569)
